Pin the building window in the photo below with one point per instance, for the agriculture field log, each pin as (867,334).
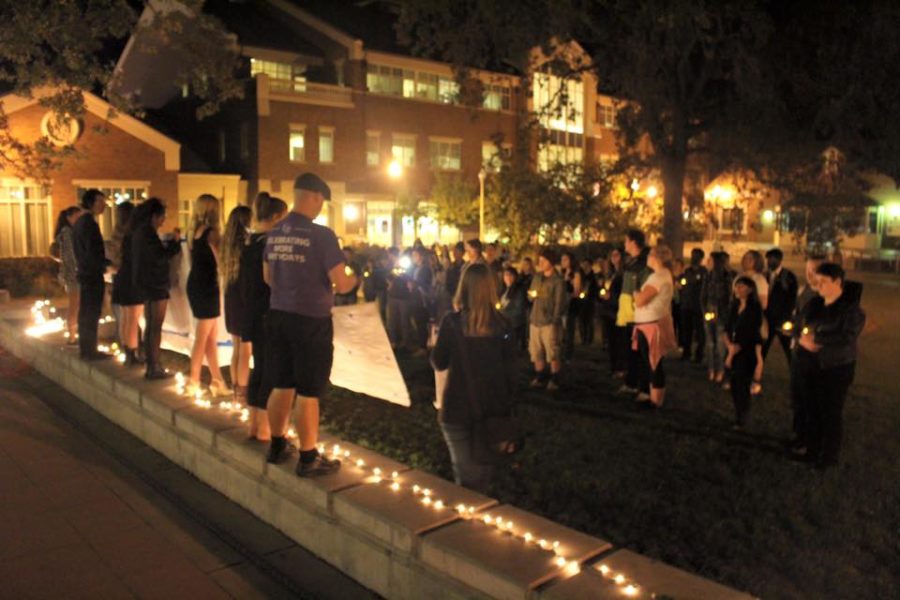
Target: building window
(552,154)
(381,79)
(403,149)
(606,115)
(326,145)
(497,97)
(559,102)
(493,157)
(373,148)
(297,144)
(732,220)
(222,146)
(427,86)
(445,154)
(25,223)
(448,91)
(283,76)
(115,195)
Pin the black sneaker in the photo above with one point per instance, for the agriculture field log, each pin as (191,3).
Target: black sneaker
(320,466)
(279,451)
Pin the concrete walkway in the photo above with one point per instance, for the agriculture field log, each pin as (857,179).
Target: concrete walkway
(88,511)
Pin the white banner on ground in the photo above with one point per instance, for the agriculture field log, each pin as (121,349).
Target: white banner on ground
(363,359)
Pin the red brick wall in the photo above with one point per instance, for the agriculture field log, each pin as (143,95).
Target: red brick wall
(109,155)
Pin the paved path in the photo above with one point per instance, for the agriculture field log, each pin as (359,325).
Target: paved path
(89,511)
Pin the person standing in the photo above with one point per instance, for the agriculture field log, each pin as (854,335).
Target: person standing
(420,299)
(783,289)
(303,262)
(654,333)
(692,329)
(474,251)
(514,304)
(68,267)
(741,338)
(255,302)
(634,273)
(609,292)
(237,235)
(548,304)
(151,260)
(126,293)
(830,326)
(90,256)
(203,293)
(715,302)
(451,282)
(476,344)
(587,310)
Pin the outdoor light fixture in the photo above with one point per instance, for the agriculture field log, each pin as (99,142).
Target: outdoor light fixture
(351,212)
(652,192)
(768,215)
(395,169)
(635,185)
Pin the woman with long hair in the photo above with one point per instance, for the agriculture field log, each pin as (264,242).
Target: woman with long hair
(203,292)
(234,241)
(741,338)
(68,267)
(654,333)
(715,301)
(125,293)
(255,301)
(476,344)
(150,276)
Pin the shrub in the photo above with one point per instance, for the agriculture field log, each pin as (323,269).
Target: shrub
(31,276)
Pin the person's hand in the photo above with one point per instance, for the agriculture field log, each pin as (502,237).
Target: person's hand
(728,360)
(807,341)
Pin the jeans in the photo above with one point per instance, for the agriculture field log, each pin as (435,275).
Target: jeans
(89,314)
(715,346)
(467,472)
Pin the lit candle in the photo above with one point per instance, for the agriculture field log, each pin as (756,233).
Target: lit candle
(360,463)
(581,295)
(630,590)
(533,293)
(348,270)
(805,331)
(619,579)
(710,316)
(788,326)
(439,505)
(426,500)
(498,306)
(395,486)
(560,561)
(683,281)
(416,489)
(527,537)
(366,274)
(604,569)
(394,474)
(602,292)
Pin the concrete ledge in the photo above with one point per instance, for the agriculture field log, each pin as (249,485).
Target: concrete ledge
(401,532)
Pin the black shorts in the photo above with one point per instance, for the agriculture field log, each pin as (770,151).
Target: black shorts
(299,352)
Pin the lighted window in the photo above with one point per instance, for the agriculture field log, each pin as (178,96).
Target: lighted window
(552,154)
(373,149)
(497,97)
(409,84)
(427,86)
(445,154)
(732,219)
(24,220)
(115,194)
(274,70)
(559,102)
(381,79)
(403,149)
(493,157)
(606,115)
(326,145)
(298,144)
(448,91)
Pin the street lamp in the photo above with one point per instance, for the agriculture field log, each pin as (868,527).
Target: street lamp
(481,175)
(395,169)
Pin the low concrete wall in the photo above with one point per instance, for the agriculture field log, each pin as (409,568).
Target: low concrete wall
(421,538)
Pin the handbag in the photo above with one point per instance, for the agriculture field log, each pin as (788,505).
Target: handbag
(493,437)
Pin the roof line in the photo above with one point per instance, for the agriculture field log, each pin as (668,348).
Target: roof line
(353,45)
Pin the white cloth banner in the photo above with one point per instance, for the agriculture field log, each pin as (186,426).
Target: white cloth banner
(363,359)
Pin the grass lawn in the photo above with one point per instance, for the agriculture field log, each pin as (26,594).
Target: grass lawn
(678,484)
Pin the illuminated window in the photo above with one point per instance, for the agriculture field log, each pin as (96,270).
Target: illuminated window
(559,102)
(606,115)
(373,148)
(381,79)
(448,91)
(497,97)
(326,145)
(427,86)
(493,157)
(24,220)
(275,70)
(298,144)
(409,83)
(445,154)
(403,149)
(115,194)
(551,154)
(732,219)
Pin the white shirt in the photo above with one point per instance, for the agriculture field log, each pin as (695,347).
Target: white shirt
(661,304)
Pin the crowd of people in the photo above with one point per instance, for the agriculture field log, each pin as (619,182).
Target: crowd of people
(472,306)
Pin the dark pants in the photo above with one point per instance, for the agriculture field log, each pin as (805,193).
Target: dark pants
(154,316)
(467,471)
(616,345)
(586,323)
(692,330)
(568,344)
(257,388)
(632,357)
(89,314)
(742,367)
(647,375)
(421,317)
(774,333)
(824,395)
(399,328)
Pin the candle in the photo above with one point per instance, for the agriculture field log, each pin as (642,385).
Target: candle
(710,316)
(788,326)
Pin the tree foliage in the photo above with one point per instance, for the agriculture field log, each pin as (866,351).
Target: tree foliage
(455,200)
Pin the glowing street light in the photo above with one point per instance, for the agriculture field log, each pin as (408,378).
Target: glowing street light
(351,212)
(652,192)
(395,169)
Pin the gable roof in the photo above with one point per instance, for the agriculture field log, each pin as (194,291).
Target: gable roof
(104,110)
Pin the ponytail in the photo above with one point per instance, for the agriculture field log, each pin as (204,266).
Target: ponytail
(266,207)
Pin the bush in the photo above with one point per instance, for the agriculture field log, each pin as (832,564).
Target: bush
(32,276)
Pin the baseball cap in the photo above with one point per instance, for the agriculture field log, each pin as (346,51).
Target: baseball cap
(312,183)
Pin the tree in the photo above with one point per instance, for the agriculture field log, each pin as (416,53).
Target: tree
(70,46)
(455,200)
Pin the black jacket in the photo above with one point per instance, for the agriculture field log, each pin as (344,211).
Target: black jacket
(782,299)
(743,328)
(253,288)
(151,260)
(715,294)
(836,327)
(693,277)
(486,379)
(90,253)
(514,304)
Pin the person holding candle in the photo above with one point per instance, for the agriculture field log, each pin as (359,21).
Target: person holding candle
(715,301)
(90,256)
(829,327)
(610,289)
(741,338)
(782,300)
(654,334)
(68,266)
(548,304)
(514,304)
(692,323)
(634,273)
(477,347)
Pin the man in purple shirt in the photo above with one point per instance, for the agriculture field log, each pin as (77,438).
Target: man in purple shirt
(304,266)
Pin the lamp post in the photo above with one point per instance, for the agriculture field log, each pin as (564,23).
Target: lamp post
(481,175)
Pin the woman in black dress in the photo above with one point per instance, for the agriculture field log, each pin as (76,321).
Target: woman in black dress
(150,276)
(741,338)
(204,295)
(237,234)
(255,303)
(124,293)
